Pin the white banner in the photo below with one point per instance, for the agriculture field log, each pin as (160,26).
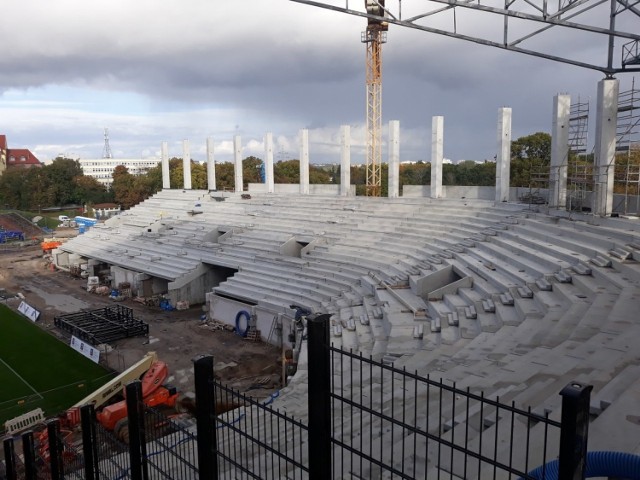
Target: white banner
(85,349)
(28,311)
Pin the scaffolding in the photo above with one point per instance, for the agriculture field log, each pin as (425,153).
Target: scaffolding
(627,167)
(580,165)
(538,193)
(580,181)
(578,127)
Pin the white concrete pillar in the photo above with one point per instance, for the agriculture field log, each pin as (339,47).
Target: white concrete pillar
(345,160)
(394,159)
(211,166)
(237,155)
(304,161)
(166,176)
(605,148)
(268,168)
(437,155)
(186,164)
(559,151)
(503,159)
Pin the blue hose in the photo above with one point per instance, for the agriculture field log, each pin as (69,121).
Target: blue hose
(599,464)
(247,315)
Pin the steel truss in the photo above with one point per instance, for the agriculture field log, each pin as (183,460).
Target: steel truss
(523,21)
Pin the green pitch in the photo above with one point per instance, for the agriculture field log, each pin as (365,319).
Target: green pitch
(38,370)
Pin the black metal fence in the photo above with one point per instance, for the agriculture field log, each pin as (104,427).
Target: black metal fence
(364,420)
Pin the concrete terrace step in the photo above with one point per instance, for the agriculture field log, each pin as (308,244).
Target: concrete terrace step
(618,428)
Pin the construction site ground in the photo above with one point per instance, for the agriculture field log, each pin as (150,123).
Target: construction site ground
(177,336)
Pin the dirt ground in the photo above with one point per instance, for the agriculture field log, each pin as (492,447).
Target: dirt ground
(177,336)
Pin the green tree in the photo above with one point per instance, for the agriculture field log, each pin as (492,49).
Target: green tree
(287,171)
(14,192)
(154,178)
(91,191)
(418,173)
(251,171)
(60,183)
(321,176)
(125,191)
(225,176)
(359,178)
(176,178)
(530,158)
(198,176)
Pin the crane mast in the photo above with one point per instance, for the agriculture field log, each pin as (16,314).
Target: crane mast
(374,36)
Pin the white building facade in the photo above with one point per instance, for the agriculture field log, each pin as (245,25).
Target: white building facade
(102,169)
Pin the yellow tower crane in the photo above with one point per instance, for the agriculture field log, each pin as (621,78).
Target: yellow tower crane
(374,36)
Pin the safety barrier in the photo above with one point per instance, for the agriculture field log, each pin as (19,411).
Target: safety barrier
(26,420)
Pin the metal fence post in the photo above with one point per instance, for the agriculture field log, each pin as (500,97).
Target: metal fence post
(55,449)
(574,431)
(137,441)
(320,465)
(206,418)
(10,459)
(29,452)
(89,445)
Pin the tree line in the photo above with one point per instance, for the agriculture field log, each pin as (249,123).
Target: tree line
(63,183)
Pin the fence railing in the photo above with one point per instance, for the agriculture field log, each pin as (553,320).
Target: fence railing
(365,419)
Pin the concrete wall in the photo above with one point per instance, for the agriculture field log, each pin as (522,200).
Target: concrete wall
(225,310)
(193,291)
(120,275)
(516,194)
(448,191)
(291,248)
(438,283)
(293,188)
(60,258)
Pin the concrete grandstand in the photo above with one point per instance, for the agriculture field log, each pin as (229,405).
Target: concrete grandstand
(513,300)
(500,298)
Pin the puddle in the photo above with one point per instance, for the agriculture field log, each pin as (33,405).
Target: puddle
(59,301)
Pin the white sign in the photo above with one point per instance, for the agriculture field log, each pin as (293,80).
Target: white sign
(85,349)
(28,311)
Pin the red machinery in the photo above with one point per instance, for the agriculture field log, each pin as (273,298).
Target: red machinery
(154,393)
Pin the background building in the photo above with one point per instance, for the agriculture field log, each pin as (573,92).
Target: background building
(16,157)
(102,168)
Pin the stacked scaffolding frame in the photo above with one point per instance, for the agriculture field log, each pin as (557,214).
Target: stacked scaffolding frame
(103,325)
(580,165)
(627,169)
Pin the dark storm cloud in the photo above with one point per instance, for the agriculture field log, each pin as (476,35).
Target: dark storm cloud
(277,66)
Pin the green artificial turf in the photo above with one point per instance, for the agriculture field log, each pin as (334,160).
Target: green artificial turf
(38,370)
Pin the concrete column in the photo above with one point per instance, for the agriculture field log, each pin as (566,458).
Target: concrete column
(345,160)
(268,168)
(304,161)
(186,164)
(166,176)
(559,151)
(394,159)
(605,148)
(211,166)
(437,155)
(237,154)
(503,159)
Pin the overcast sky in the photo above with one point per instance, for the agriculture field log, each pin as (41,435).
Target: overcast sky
(168,70)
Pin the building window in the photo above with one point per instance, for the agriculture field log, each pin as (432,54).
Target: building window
(12,158)
(23,158)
